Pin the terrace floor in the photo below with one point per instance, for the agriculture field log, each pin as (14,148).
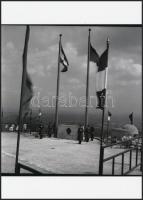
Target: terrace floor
(58,156)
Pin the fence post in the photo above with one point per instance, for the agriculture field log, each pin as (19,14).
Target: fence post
(130,164)
(113,166)
(141,158)
(136,156)
(122,167)
(101,160)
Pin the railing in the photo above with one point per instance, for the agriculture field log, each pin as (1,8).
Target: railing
(31,168)
(137,149)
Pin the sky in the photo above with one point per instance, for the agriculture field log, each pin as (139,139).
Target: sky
(124,66)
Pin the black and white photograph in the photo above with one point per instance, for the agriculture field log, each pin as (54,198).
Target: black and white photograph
(80,99)
(71,100)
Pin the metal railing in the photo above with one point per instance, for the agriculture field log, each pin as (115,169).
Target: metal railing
(26,167)
(137,149)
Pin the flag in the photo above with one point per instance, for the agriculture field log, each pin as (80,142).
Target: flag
(101,99)
(101,61)
(27,94)
(109,115)
(101,78)
(102,64)
(63,60)
(94,57)
(27,83)
(131,118)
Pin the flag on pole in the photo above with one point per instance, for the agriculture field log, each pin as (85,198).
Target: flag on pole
(102,64)
(27,83)
(63,60)
(101,75)
(101,99)
(109,115)
(101,79)
(27,94)
(94,57)
(131,118)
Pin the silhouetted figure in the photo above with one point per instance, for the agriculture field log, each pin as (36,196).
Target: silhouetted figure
(80,134)
(68,130)
(40,131)
(114,140)
(92,133)
(49,130)
(87,133)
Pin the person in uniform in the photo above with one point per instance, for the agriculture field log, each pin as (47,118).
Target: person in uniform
(92,133)
(40,131)
(80,134)
(87,133)
(49,130)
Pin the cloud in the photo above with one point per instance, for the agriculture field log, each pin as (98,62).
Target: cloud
(74,81)
(37,70)
(124,72)
(10,46)
(127,66)
(92,68)
(124,58)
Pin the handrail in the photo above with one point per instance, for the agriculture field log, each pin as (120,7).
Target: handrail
(137,148)
(29,168)
(114,156)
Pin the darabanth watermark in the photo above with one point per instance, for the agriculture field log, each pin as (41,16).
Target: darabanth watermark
(69,100)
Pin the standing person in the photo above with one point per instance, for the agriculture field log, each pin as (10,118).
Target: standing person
(87,133)
(80,134)
(49,129)
(92,133)
(40,131)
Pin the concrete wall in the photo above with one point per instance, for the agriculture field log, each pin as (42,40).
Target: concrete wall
(62,133)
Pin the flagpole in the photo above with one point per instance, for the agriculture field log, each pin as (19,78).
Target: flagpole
(30,119)
(132,119)
(87,83)
(2,119)
(57,92)
(103,113)
(108,122)
(21,97)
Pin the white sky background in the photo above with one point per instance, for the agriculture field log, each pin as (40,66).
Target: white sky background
(124,74)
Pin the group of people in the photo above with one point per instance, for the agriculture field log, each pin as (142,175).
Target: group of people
(86,134)
(83,135)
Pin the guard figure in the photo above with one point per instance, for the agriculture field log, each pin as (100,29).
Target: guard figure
(40,131)
(92,133)
(80,134)
(87,133)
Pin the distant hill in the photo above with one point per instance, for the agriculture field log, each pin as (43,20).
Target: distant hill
(72,118)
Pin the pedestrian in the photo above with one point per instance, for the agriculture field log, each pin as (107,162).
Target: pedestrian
(80,134)
(49,130)
(92,133)
(87,133)
(40,131)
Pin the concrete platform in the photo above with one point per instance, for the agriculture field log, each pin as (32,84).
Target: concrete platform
(57,156)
